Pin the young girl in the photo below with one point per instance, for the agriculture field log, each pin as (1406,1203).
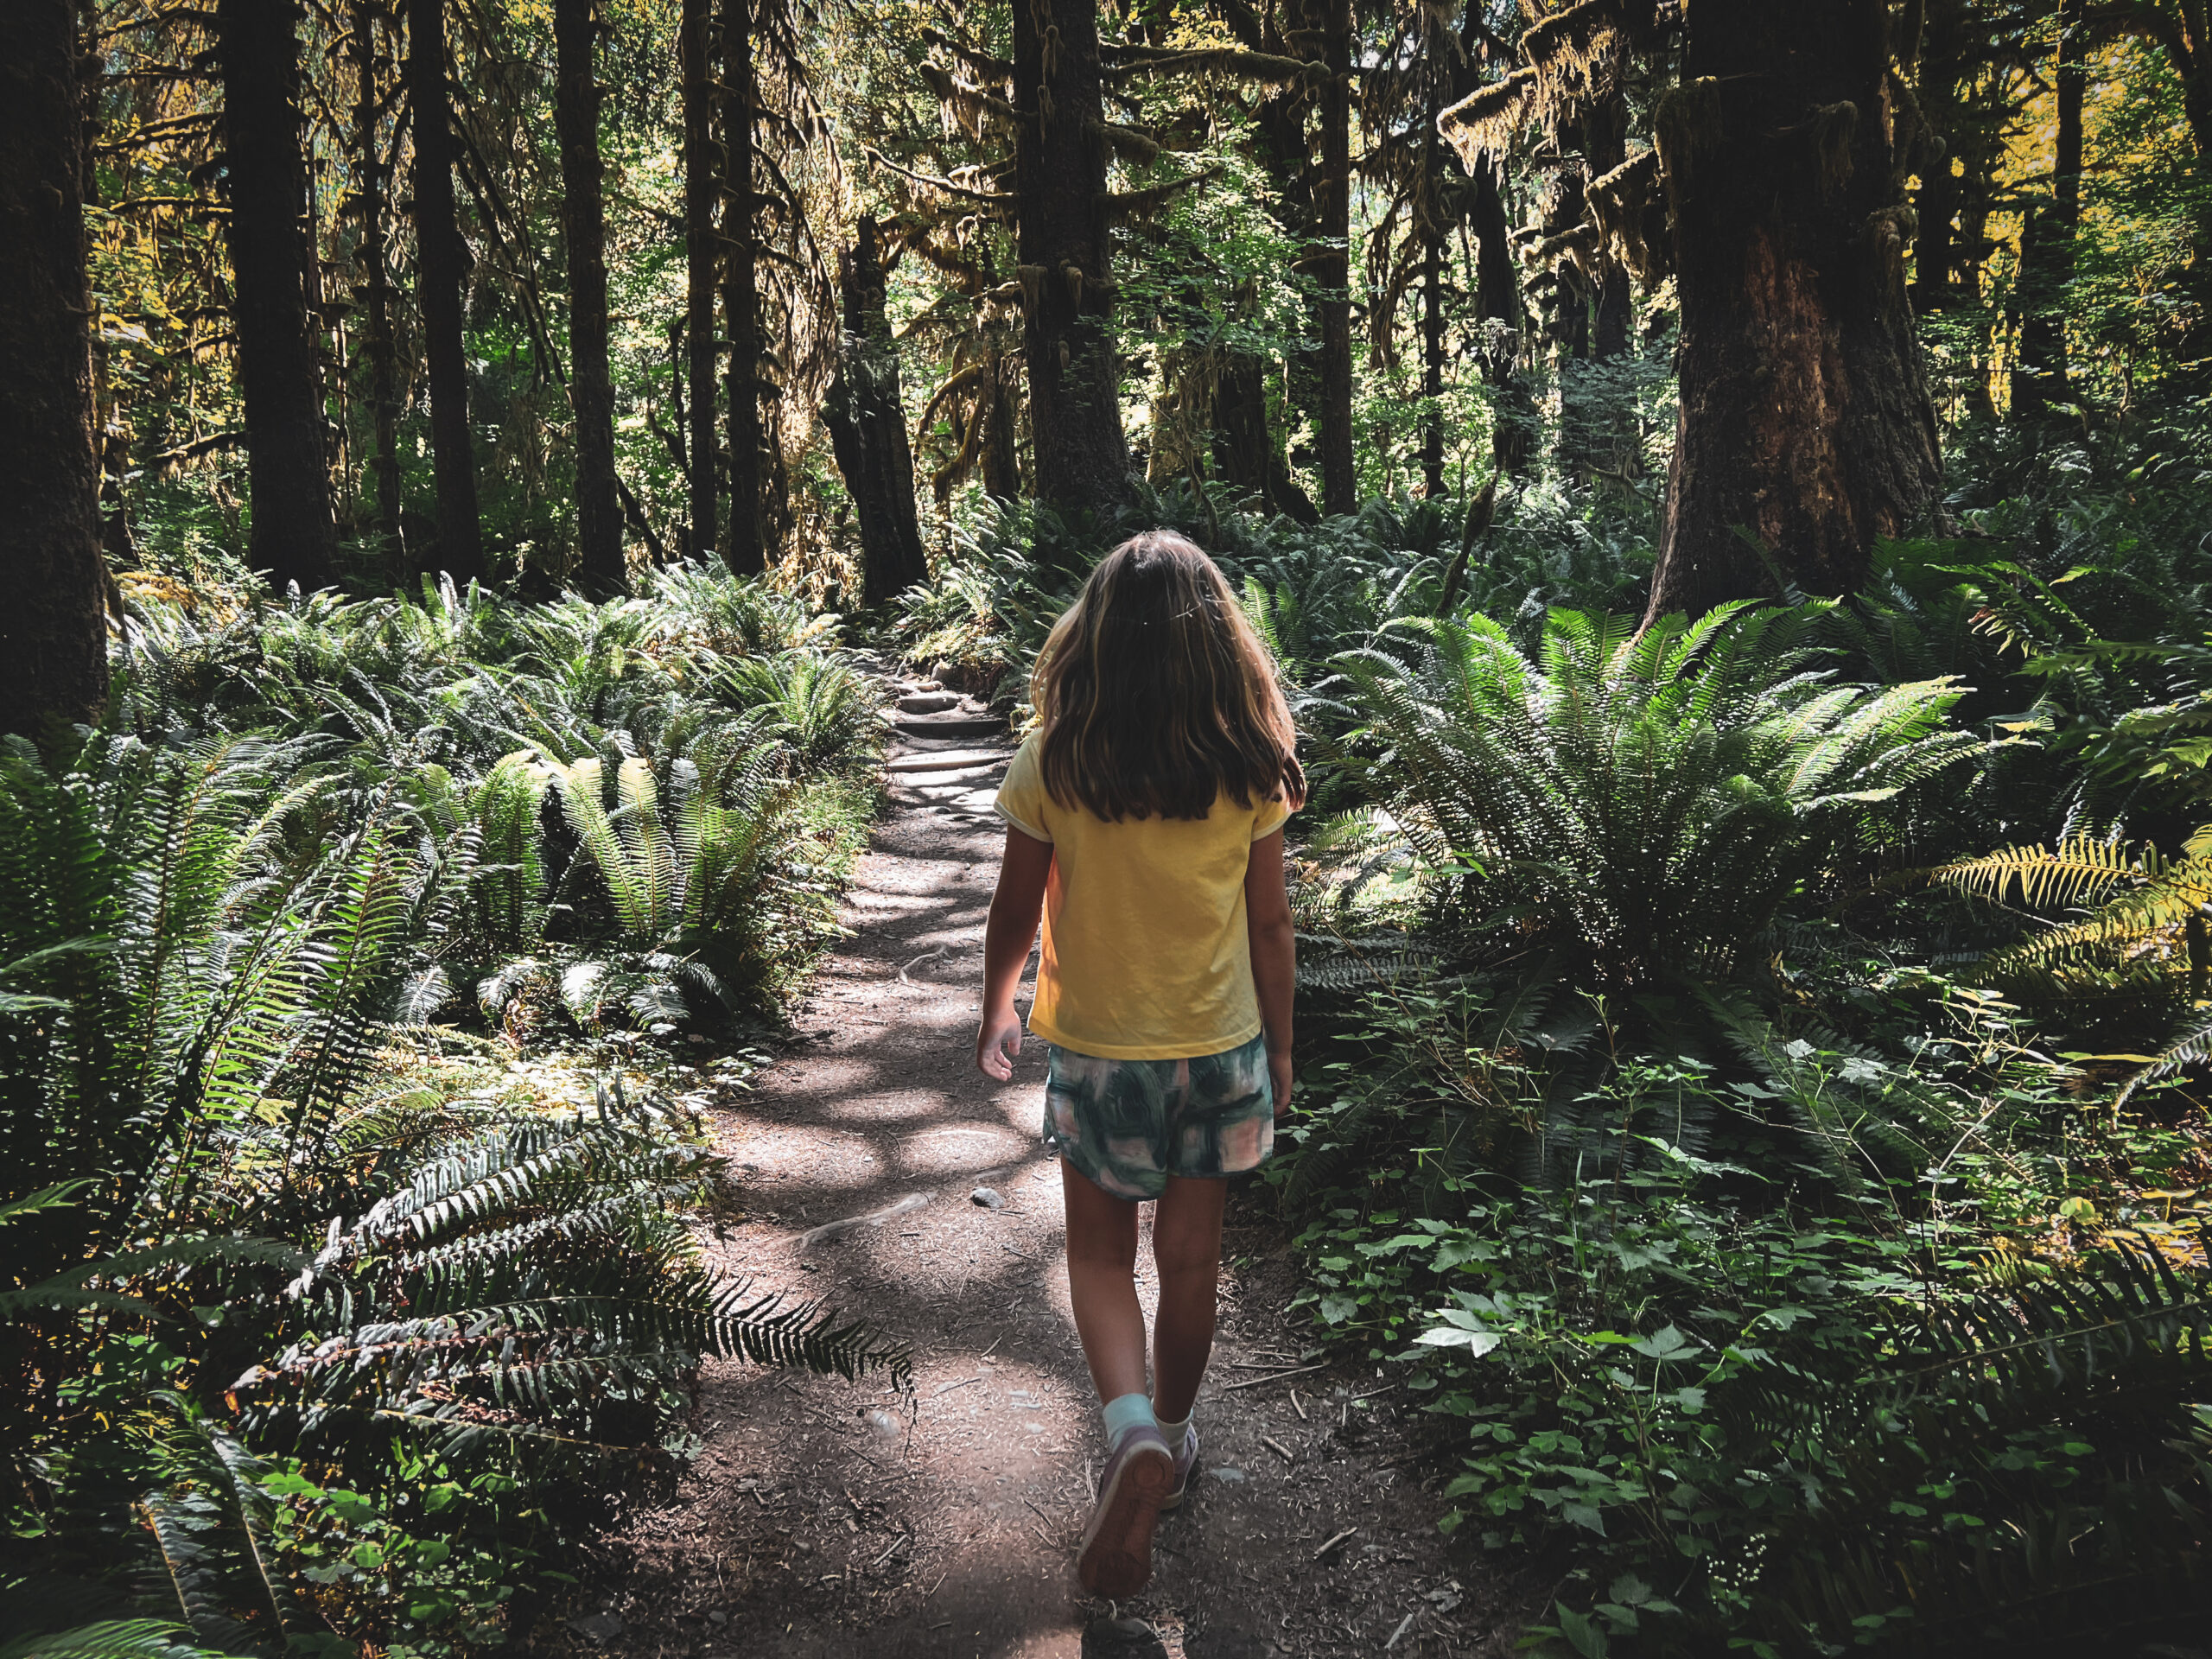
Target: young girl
(1145,819)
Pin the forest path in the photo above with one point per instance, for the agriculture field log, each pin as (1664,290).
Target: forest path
(828,1519)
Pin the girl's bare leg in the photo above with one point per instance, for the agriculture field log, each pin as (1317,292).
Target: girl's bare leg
(1102,1284)
(1187,1248)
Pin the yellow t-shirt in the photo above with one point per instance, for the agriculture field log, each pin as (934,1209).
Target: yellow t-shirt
(1145,956)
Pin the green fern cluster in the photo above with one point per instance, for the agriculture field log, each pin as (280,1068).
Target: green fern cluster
(1644,803)
(463,707)
(322,823)
(2143,943)
(526,1290)
(2086,1367)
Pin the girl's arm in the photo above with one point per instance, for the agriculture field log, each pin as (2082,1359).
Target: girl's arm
(1274,955)
(1015,906)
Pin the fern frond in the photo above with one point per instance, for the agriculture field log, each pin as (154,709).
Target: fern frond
(2079,871)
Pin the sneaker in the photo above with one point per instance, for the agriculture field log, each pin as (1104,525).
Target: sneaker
(1115,1559)
(1187,1464)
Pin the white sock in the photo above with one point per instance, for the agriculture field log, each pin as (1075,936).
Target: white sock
(1174,1432)
(1125,1413)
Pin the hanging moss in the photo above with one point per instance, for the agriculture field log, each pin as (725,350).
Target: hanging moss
(1620,202)
(1832,127)
(1686,122)
(1486,119)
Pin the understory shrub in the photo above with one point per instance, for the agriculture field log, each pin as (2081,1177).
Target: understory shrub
(1742,1387)
(306,1344)
(1639,803)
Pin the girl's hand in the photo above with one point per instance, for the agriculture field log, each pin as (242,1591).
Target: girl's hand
(1278,1080)
(998,1039)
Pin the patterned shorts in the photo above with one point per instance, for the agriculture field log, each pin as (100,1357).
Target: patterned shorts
(1127,1125)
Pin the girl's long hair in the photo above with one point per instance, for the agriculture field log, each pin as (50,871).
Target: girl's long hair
(1154,695)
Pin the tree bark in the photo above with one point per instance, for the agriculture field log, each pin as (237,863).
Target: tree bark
(2039,378)
(1497,310)
(1331,263)
(746,551)
(441,263)
(1240,425)
(1942,66)
(601,568)
(1805,423)
(1597,430)
(1001,449)
(1066,270)
(53,627)
(373,292)
(866,418)
(294,535)
(1606,144)
(1428,223)
(702,185)
(1284,151)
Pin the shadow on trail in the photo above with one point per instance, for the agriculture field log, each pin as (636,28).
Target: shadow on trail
(823,1519)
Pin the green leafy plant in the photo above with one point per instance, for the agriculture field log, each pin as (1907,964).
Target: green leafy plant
(1786,1432)
(2144,938)
(1642,802)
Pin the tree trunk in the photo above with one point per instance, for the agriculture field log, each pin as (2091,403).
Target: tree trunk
(1805,423)
(53,627)
(294,538)
(441,263)
(748,551)
(1066,270)
(601,568)
(701,184)
(1431,363)
(1566,319)
(1001,454)
(1942,66)
(2039,377)
(1497,306)
(1428,223)
(1332,266)
(1606,130)
(374,292)
(1240,425)
(866,418)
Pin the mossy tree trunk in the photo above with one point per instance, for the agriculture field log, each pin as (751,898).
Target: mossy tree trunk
(2039,378)
(702,184)
(867,419)
(372,289)
(1805,425)
(1246,450)
(53,627)
(1497,309)
(1066,258)
(601,568)
(746,545)
(294,536)
(1331,261)
(1942,71)
(442,266)
(1430,223)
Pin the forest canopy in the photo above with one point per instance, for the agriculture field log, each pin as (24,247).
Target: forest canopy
(415,263)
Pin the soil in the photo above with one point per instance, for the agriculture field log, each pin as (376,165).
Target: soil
(827,1518)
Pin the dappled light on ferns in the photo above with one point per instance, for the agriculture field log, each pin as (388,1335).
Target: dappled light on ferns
(1645,802)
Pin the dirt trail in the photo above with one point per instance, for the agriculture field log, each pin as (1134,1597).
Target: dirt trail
(825,1519)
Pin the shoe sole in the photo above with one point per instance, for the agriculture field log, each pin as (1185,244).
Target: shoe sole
(1116,1556)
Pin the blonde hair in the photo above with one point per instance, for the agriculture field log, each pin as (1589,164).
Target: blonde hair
(1155,696)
